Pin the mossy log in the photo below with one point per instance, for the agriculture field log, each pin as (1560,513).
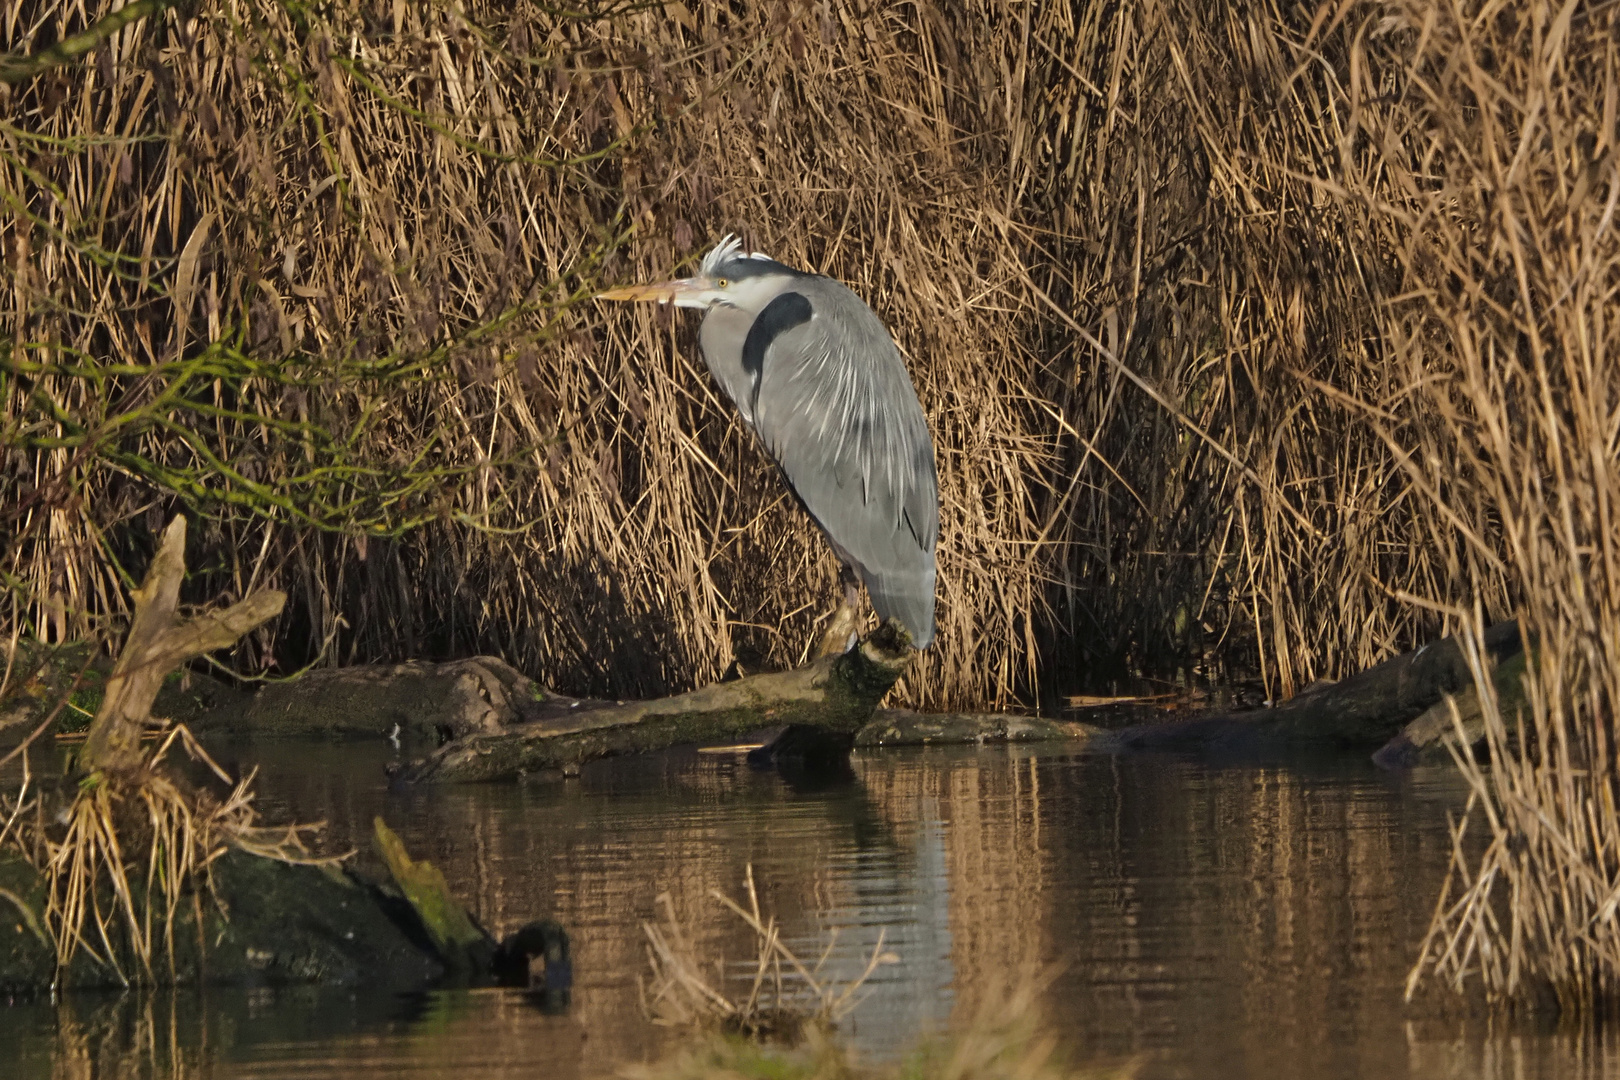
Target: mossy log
(1361,711)
(837,695)
(274,923)
(269,922)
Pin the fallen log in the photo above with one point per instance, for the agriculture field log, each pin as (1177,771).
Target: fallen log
(903,727)
(837,695)
(1364,710)
(1428,739)
(499,724)
(416,702)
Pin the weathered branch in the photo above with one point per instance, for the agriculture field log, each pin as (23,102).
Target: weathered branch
(418,703)
(156,645)
(837,694)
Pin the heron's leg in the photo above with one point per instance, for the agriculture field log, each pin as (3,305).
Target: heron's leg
(841,633)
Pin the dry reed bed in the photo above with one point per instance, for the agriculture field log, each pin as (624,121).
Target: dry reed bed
(387,229)
(1260,329)
(347,193)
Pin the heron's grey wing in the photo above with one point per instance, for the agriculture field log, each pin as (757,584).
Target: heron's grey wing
(835,407)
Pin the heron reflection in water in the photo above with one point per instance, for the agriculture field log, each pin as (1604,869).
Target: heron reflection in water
(818,379)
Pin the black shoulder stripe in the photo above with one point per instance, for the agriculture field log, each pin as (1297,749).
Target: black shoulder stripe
(780,315)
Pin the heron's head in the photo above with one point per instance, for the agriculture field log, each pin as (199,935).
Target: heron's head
(727,275)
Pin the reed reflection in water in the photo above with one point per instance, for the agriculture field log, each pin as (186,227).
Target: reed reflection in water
(1209,921)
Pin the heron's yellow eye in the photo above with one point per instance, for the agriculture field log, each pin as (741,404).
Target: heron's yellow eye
(723,283)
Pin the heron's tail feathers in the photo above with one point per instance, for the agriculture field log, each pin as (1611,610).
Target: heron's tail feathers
(909,598)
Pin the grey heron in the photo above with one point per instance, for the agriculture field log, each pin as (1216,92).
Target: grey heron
(816,376)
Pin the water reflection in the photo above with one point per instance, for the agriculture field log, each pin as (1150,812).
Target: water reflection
(1212,921)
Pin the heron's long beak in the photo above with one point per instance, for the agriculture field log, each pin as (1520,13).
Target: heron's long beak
(683,292)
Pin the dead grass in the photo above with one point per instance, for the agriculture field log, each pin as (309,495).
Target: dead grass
(1421,229)
(122,856)
(1004,1045)
(1488,169)
(1430,190)
(348,297)
(786,996)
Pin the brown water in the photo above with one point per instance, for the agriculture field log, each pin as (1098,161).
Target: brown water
(1210,921)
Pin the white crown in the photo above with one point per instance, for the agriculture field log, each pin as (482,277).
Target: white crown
(727,249)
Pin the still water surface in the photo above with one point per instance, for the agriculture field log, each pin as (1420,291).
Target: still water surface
(1207,921)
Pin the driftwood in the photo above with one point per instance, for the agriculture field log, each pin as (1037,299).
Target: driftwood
(159,642)
(1362,711)
(837,695)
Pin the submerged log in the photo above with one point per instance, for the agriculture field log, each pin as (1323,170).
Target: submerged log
(903,727)
(837,694)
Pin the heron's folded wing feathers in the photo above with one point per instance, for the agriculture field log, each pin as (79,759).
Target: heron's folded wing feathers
(836,409)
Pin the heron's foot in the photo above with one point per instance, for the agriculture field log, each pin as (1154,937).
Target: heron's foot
(841,631)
